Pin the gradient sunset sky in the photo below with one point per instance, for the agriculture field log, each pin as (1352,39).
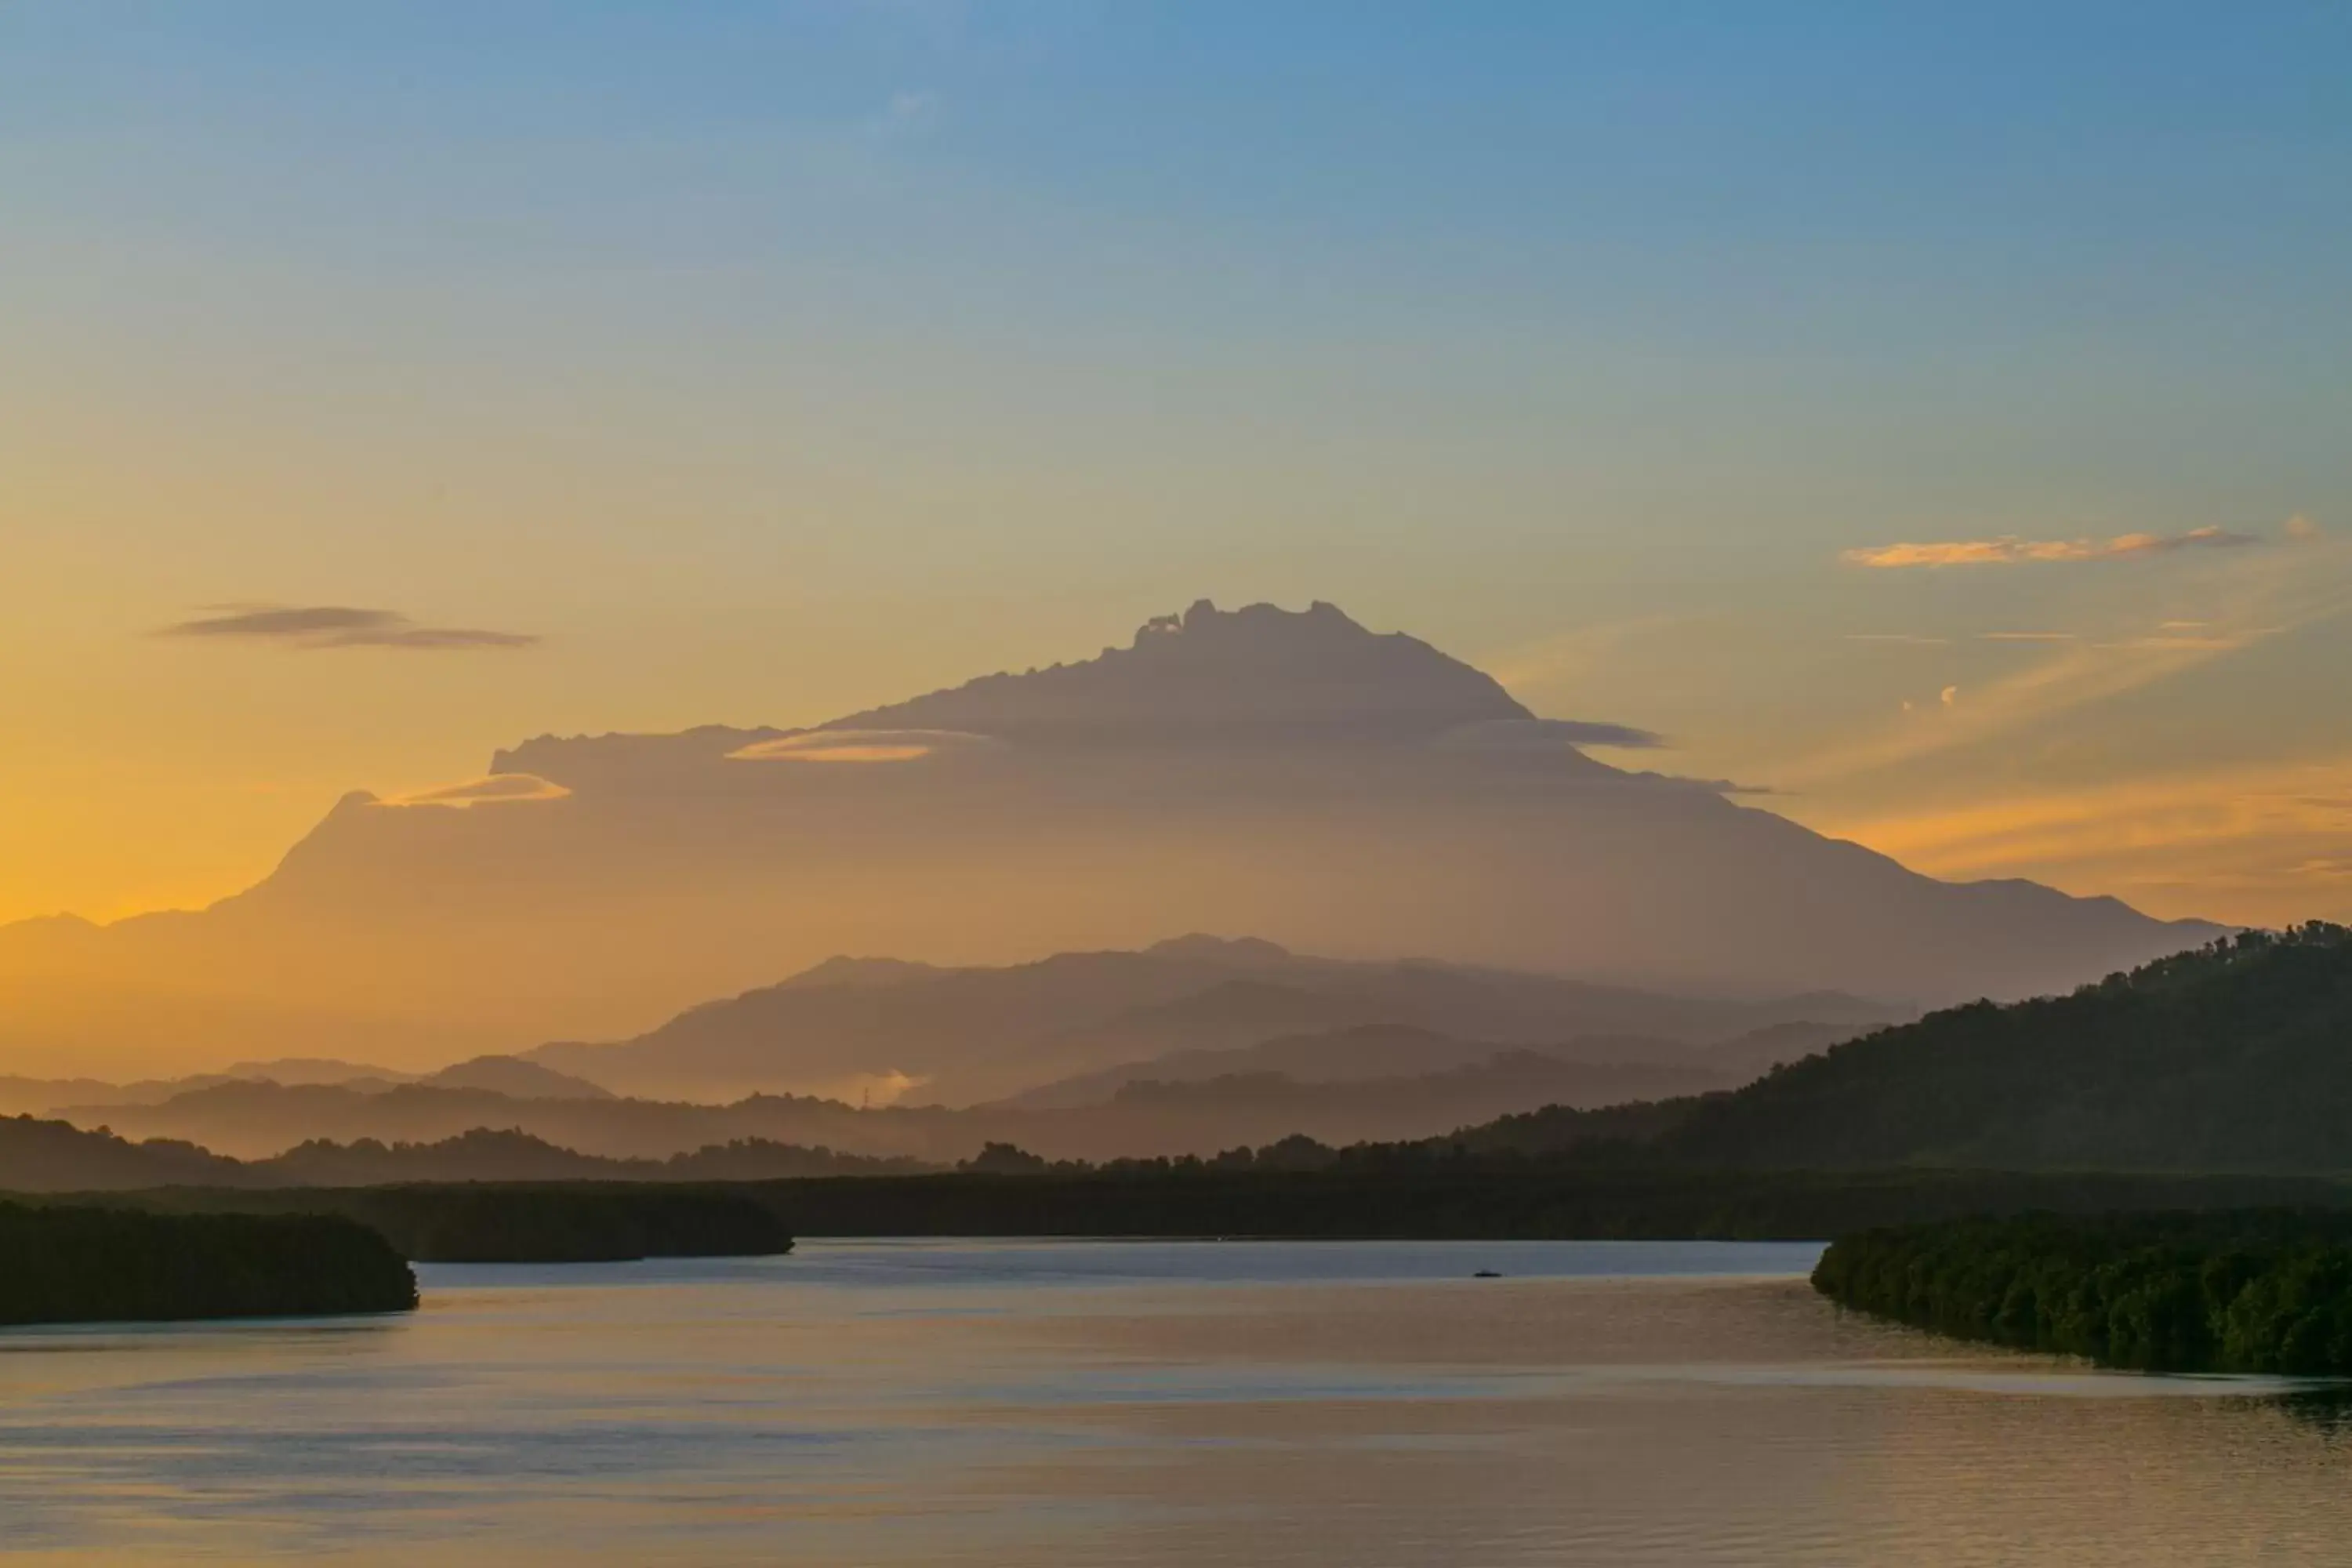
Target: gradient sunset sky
(1939,417)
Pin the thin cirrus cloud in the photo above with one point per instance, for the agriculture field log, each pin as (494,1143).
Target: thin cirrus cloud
(1595,732)
(853,746)
(490,790)
(1706,787)
(2011,551)
(2222,841)
(340,626)
(1548,735)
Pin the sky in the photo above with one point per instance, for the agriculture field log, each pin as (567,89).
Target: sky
(1931,417)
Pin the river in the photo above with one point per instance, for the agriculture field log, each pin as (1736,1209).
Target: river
(1137,1403)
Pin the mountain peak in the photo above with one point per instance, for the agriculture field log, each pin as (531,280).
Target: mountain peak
(1254,951)
(1256,674)
(871,973)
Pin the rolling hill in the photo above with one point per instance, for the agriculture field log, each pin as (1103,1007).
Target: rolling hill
(2237,1057)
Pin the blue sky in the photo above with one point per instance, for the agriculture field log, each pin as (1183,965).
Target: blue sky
(773,360)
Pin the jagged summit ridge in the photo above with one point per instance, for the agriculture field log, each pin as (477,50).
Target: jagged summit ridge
(1211,674)
(1206,680)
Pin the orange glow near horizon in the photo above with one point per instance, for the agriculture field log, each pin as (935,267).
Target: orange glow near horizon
(370,410)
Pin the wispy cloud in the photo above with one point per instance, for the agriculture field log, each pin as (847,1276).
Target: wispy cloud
(2074,674)
(2215,642)
(1591,733)
(858,746)
(1561,661)
(1548,735)
(1908,640)
(2262,841)
(339,626)
(494,789)
(906,113)
(2255,595)
(2010,550)
(2026,637)
(1710,786)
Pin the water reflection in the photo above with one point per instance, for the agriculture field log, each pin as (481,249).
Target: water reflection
(1126,1403)
(2325,1407)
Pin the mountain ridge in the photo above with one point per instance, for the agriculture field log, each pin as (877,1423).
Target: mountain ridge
(1290,773)
(968,1035)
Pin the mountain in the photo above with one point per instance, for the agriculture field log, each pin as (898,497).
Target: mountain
(1200,1116)
(1757,1052)
(962,1036)
(486,1156)
(1256,676)
(2232,1059)
(2237,1057)
(312,1069)
(1630,1067)
(86,1098)
(1384,1082)
(38,1096)
(20,1095)
(517,1078)
(1291,773)
(258,1121)
(57,1157)
(54,1157)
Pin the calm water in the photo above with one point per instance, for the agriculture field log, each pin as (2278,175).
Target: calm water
(1128,1403)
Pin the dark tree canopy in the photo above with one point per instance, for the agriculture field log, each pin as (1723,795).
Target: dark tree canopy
(2236,1056)
(66,1264)
(2267,1291)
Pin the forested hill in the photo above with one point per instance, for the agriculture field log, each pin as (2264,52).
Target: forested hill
(2237,1056)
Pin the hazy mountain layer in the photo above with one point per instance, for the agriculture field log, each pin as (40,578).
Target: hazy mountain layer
(39,1156)
(1365,1053)
(1291,774)
(252,1119)
(86,1098)
(958,1035)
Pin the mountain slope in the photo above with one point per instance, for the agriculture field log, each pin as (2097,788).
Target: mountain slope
(39,1156)
(2237,1057)
(517,1078)
(1295,774)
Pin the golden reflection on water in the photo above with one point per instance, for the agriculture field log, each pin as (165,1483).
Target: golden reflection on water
(978,1405)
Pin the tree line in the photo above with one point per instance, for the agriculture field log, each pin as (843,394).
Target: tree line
(2265,1291)
(522,1222)
(72,1265)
